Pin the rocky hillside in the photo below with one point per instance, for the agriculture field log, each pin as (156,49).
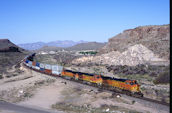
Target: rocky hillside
(155,38)
(7,46)
(10,55)
(48,48)
(87,46)
(134,55)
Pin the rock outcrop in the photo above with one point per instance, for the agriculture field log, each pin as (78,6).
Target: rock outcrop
(155,38)
(134,55)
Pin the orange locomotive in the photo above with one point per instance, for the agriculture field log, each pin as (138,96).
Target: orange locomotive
(92,78)
(130,87)
(123,85)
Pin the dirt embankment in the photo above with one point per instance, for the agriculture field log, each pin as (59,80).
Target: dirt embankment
(134,55)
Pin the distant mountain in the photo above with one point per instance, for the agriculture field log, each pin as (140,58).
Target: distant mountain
(77,47)
(87,46)
(38,45)
(48,48)
(66,43)
(32,46)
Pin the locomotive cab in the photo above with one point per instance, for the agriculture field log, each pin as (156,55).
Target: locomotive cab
(134,86)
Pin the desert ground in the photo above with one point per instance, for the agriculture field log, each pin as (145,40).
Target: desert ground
(41,91)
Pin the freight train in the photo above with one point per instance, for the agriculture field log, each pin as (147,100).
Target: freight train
(129,87)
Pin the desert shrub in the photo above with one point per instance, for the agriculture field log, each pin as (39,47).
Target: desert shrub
(88,52)
(14,74)
(9,59)
(1,76)
(152,70)
(27,94)
(163,78)
(153,74)
(8,76)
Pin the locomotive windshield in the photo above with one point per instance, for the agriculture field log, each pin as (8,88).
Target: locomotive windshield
(133,82)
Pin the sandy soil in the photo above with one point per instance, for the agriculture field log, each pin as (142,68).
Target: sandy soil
(20,87)
(45,96)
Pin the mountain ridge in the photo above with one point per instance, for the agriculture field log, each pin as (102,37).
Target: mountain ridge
(58,43)
(77,47)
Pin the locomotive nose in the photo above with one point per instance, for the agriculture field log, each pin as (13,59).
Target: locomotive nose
(138,87)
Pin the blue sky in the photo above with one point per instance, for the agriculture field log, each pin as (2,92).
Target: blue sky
(26,21)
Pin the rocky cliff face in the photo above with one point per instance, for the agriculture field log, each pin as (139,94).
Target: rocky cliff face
(155,38)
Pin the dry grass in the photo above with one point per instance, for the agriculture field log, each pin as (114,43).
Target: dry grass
(69,108)
(9,59)
(163,78)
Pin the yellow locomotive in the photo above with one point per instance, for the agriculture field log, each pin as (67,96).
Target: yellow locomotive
(92,78)
(122,85)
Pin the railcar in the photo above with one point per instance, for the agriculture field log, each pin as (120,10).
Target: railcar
(92,78)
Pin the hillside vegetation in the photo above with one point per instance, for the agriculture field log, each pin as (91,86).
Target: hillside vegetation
(87,46)
(10,55)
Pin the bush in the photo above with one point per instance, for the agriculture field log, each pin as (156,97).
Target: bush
(153,74)
(1,76)
(88,52)
(163,78)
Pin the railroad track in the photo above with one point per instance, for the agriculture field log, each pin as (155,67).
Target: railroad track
(102,88)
